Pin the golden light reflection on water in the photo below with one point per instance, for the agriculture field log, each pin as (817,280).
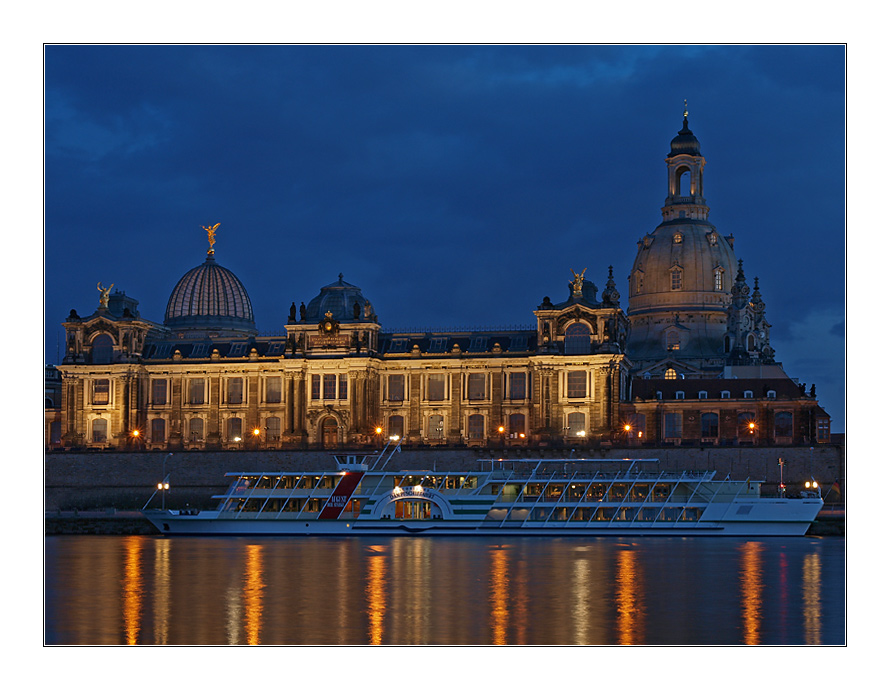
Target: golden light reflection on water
(499,584)
(751,583)
(812,598)
(132,589)
(375,593)
(631,611)
(581,593)
(253,593)
(162,595)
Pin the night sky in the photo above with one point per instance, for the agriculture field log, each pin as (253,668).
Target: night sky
(456,185)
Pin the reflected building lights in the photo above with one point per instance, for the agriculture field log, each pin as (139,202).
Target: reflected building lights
(253,593)
(499,583)
(581,591)
(161,608)
(375,592)
(812,598)
(751,584)
(630,621)
(132,589)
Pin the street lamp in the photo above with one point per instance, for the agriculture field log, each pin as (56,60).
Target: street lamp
(781,477)
(164,485)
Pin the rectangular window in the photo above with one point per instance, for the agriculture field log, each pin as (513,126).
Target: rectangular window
(435,387)
(234,428)
(100,430)
(196,391)
(823,430)
(673,425)
(709,425)
(676,280)
(475,386)
(273,428)
(101,391)
(476,426)
(159,391)
(158,431)
(784,426)
(576,423)
(330,386)
(436,428)
(343,393)
(517,385)
(273,389)
(576,384)
(235,391)
(396,388)
(316,387)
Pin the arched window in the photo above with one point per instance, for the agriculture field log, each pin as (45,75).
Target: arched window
(577,339)
(752,343)
(676,279)
(672,340)
(397,425)
(718,279)
(100,430)
(234,429)
(436,427)
(102,349)
(670,373)
(476,426)
(784,425)
(516,425)
(158,430)
(196,429)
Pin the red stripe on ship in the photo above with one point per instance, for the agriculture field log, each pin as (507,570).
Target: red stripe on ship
(341,495)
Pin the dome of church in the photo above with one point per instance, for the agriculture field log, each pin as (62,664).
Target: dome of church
(340,299)
(685,142)
(210,298)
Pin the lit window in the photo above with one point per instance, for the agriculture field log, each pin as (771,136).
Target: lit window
(330,386)
(516,425)
(273,389)
(576,384)
(670,373)
(234,429)
(718,279)
(159,391)
(576,423)
(823,430)
(475,386)
(396,388)
(672,340)
(397,425)
(676,279)
(101,391)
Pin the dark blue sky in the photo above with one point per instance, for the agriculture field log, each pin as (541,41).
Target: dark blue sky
(456,185)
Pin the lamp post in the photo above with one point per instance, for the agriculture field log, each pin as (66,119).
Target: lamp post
(781,478)
(164,485)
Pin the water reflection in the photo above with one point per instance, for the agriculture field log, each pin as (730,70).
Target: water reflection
(812,597)
(751,579)
(143,590)
(630,608)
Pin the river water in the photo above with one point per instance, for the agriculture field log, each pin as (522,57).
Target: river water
(146,590)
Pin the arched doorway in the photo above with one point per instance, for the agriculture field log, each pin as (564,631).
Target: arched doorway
(329,433)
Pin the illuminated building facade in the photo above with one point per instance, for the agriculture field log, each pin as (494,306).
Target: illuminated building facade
(688,363)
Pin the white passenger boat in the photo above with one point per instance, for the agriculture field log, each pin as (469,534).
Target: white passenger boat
(511,497)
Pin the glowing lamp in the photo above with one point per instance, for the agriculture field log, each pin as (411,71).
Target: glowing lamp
(256,432)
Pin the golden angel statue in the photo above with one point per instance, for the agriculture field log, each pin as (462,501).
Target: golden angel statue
(211,236)
(577,282)
(103,298)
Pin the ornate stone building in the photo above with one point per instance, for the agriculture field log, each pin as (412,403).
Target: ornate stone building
(676,368)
